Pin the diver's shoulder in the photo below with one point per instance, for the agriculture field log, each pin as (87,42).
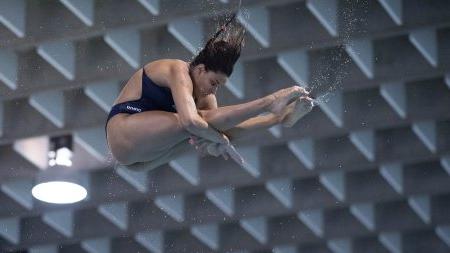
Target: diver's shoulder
(166,63)
(164,70)
(165,66)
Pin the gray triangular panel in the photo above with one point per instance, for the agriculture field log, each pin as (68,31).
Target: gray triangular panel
(340,245)
(445,163)
(137,179)
(251,156)
(93,141)
(276,131)
(10,229)
(365,213)
(61,221)
(208,234)
(296,64)
(61,55)
(51,105)
(422,206)
(20,191)
(13,16)
(8,68)
(256,20)
(189,32)
(257,227)
(426,131)
(443,232)
(187,165)
(34,149)
(364,140)
(326,12)
(393,173)
(425,40)
(151,5)
(334,108)
(334,181)
(304,150)
(117,213)
(84,10)
(173,205)
(361,51)
(395,95)
(392,241)
(282,190)
(103,93)
(394,8)
(127,44)
(223,198)
(98,245)
(314,220)
(152,241)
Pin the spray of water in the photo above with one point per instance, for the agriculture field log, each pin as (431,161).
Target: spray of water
(333,67)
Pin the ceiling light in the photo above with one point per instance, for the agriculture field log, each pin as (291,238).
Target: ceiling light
(59,192)
(61,185)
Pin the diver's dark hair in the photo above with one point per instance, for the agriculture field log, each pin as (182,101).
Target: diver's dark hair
(221,52)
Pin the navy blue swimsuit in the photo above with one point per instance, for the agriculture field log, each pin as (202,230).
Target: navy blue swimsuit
(153,97)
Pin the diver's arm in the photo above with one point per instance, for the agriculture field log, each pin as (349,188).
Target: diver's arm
(181,86)
(252,125)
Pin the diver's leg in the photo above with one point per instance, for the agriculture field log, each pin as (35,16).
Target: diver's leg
(250,126)
(164,158)
(147,135)
(246,128)
(226,117)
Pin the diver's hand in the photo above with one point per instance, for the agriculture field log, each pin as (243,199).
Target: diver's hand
(206,147)
(200,128)
(283,97)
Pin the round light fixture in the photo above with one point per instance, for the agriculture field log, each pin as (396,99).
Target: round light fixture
(59,192)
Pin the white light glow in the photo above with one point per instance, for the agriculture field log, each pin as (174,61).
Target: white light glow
(52,162)
(51,154)
(59,192)
(62,156)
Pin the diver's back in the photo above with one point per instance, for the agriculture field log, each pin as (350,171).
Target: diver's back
(156,70)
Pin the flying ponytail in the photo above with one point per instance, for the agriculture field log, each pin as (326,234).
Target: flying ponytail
(223,49)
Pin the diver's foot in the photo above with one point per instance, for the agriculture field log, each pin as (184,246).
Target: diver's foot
(284,97)
(297,110)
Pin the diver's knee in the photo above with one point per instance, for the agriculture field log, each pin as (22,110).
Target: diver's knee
(124,160)
(122,155)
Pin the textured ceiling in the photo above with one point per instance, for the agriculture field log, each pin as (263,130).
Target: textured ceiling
(366,171)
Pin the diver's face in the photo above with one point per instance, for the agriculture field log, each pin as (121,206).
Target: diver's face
(207,82)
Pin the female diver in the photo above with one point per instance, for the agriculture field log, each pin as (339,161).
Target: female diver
(170,101)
